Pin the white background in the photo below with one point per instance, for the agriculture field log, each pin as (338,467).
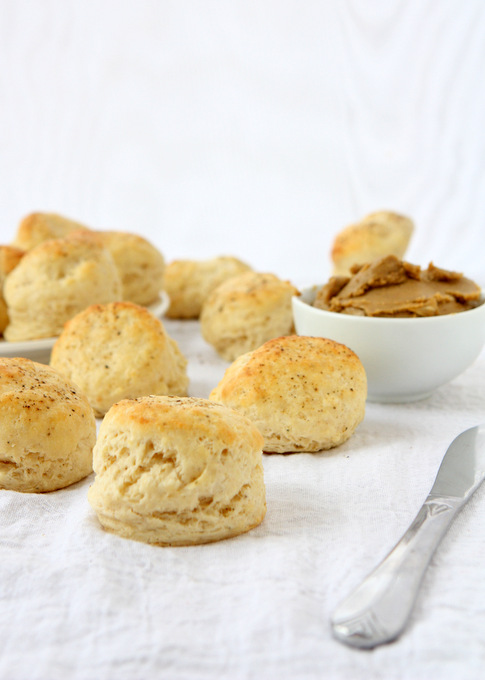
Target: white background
(251,128)
(257,129)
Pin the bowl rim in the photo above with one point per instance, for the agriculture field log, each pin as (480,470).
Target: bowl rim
(350,318)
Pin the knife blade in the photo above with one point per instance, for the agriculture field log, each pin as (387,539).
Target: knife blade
(378,610)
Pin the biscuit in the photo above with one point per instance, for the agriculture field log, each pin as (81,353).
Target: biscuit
(246,311)
(141,266)
(53,282)
(9,259)
(177,471)
(302,393)
(119,351)
(39,227)
(376,235)
(47,429)
(189,282)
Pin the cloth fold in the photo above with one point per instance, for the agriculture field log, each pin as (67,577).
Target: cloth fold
(79,603)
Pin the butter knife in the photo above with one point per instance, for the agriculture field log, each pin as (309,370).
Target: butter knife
(378,610)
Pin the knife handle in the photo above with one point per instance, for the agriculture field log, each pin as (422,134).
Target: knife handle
(378,609)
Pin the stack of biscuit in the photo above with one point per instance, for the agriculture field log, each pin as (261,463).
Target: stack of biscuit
(56,267)
(170,469)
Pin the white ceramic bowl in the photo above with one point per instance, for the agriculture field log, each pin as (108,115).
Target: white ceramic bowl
(405,359)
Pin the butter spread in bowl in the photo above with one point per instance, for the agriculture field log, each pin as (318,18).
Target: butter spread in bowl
(401,322)
(389,287)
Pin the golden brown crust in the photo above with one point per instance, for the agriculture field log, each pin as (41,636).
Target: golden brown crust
(47,429)
(119,351)
(10,256)
(303,393)
(39,227)
(177,471)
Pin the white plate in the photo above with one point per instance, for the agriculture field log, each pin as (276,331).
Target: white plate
(160,307)
(40,350)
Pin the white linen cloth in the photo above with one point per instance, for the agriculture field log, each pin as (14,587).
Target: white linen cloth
(78,603)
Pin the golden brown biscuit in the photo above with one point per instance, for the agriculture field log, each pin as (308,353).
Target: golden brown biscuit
(39,227)
(9,259)
(246,311)
(302,393)
(119,351)
(47,429)
(175,471)
(376,235)
(53,282)
(189,282)
(141,266)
